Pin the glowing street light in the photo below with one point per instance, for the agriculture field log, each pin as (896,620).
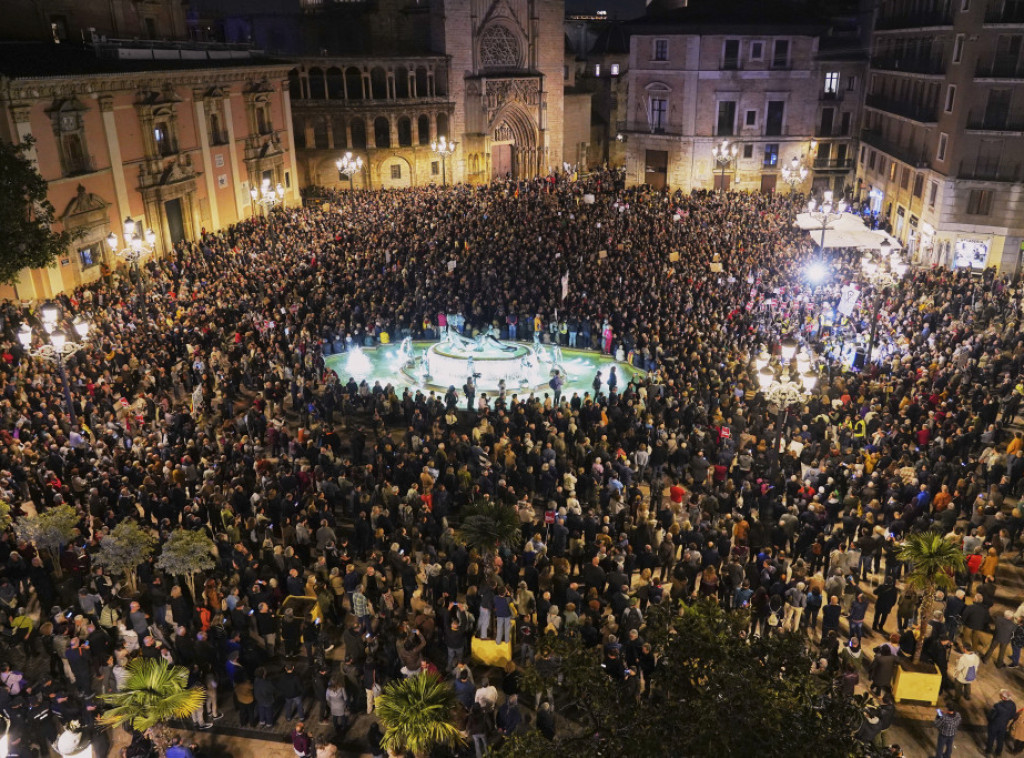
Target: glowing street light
(267,197)
(442,148)
(817,272)
(794,174)
(137,243)
(827,213)
(348,167)
(724,154)
(56,347)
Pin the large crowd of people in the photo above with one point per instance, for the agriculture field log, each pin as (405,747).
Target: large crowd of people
(207,405)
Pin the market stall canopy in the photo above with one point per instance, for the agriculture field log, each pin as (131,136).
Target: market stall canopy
(846,231)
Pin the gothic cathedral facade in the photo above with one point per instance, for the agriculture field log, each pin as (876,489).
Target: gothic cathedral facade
(506,75)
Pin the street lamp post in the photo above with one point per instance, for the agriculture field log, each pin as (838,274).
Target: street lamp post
(826,213)
(442,148)
(723,154)
(790,382)
(58,347)
(885,275)
(135,246)
(267,197)
(794,174)
(347,168)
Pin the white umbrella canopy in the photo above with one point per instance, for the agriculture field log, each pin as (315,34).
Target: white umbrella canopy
(846,231)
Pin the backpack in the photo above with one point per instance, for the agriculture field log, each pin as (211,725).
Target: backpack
(972,672)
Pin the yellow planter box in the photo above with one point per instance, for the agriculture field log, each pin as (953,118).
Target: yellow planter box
(921,683)
(490,653)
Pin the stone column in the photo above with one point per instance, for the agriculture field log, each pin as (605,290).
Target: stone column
(286,100)
(204,144)
(116,163)
(242,199)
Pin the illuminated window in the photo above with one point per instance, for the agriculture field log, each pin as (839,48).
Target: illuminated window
(832,82)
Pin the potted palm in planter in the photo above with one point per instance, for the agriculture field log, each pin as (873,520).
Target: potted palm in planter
(154,693)
(418,715)
(487,527)
(121,551)
(933,563)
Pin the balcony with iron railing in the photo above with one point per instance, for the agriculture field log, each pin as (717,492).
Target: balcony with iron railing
(645,127)
(914,21)
(923,114)
(990,170)
(834,131)
(999,70)
(1008,13)
(833,164)
(836,97)
(980,121)
(910,156)
(911,65)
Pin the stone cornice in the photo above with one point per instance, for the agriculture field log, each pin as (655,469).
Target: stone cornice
(69,85)
(368,61)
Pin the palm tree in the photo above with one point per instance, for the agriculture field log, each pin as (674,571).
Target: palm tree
(155,692)
(934,561)
(417,714)
(487,526)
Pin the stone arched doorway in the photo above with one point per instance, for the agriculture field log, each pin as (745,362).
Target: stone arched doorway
(513,145)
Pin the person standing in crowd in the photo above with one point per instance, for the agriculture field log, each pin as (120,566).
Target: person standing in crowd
(948,723)
(999,717)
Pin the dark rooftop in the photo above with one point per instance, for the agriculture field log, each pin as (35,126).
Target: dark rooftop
(23,60)
(724,16)
(613,39)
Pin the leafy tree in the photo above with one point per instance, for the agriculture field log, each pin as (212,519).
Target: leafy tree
(121,551)
(26,215)
(934,561)
(714,692)
(50,530)
(417,714)
(187,553)
(154,693)
(488,526)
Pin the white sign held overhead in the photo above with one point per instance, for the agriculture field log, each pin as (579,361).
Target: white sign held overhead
(848,301)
